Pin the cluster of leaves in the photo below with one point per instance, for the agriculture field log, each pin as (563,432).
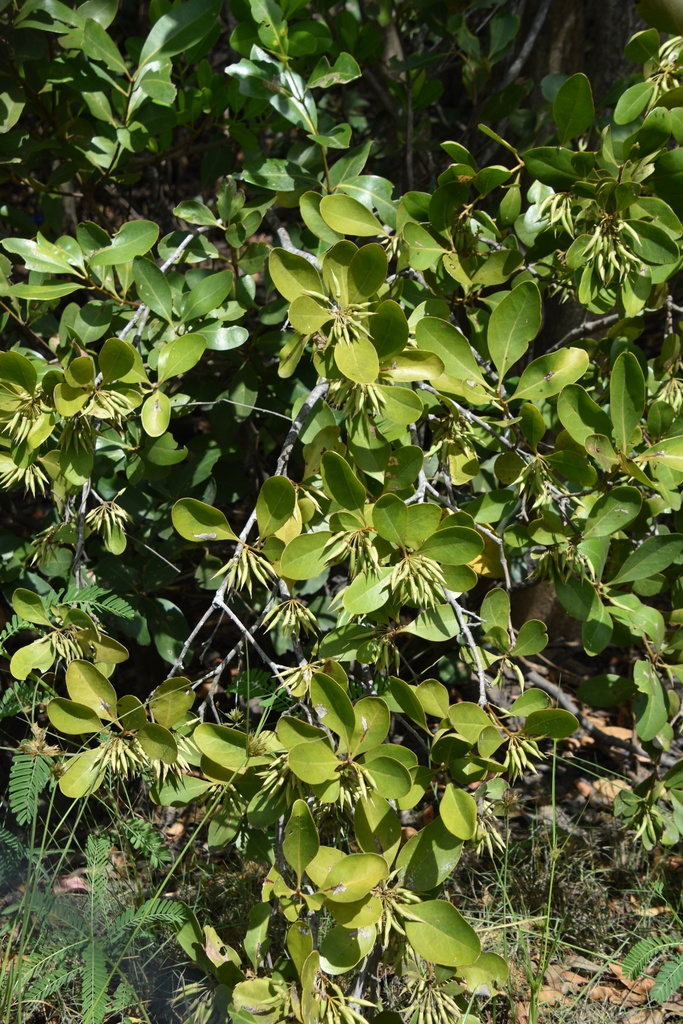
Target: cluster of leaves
(386,531)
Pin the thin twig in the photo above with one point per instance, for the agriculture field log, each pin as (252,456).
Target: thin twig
(275,669)
(518,64)
(583,329)
(143,310)
(219,598)
(467,633)
(317,393)
(603,738)
(286,242)
(79,553)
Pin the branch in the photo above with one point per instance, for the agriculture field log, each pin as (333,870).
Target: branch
(286,242)
(583,329)
(318,392)
(470,416)
(275,669)
(603,738)
(219,598)
(518,64)
(79,553)
(143,310)
(467,633)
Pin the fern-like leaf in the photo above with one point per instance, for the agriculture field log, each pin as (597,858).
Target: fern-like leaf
(639,956)
(14,626)
(94,984)
(94,598)
(153,913)
(21,697)
(12,852)
(28,777)
(669,978)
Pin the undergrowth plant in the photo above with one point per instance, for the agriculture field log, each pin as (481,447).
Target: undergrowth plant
(265,576)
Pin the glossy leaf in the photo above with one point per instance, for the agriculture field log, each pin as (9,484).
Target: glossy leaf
(196,521)
(612,512)
(573,109)
(514,323)
(441,935)
(549,374)
(301,843)
(275,505)
(349,217)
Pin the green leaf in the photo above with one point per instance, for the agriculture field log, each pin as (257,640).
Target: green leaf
(550,373)
(357,360)
(367,272)
(180,29)
(354,876)
(301,843)
(653,556)
(391,778)
(435,624)
(441,935)
(514,323)
(580,416)
(612,512)
(627,398)
(453,545)
(669,452)
(309,206)
(97,44)
(531,639)
(275,505)
(377,827)
(345,69)
(429,857)
(652,243)
(633,101)
(340,482)
(38,655)
(155,414)
(530,700)
(342,948)
(73,718)
(116,360)
(556,724)
(29,606)
(153,288)
(134,238)
(372,719)
(348,216)
(405,698)
(313,762)
(86,685)
(196,213)
(304,557)
(84,774)
(40,255)
(400,406)
(368,591)
(171,701)
(17,369)
(458,812)
(424,249)
(333,707)
(194,520)
(293,275)
(308,315)
(558,167)
(179,356)
(158,743)
(225,746)
(433,696)
(573,109)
